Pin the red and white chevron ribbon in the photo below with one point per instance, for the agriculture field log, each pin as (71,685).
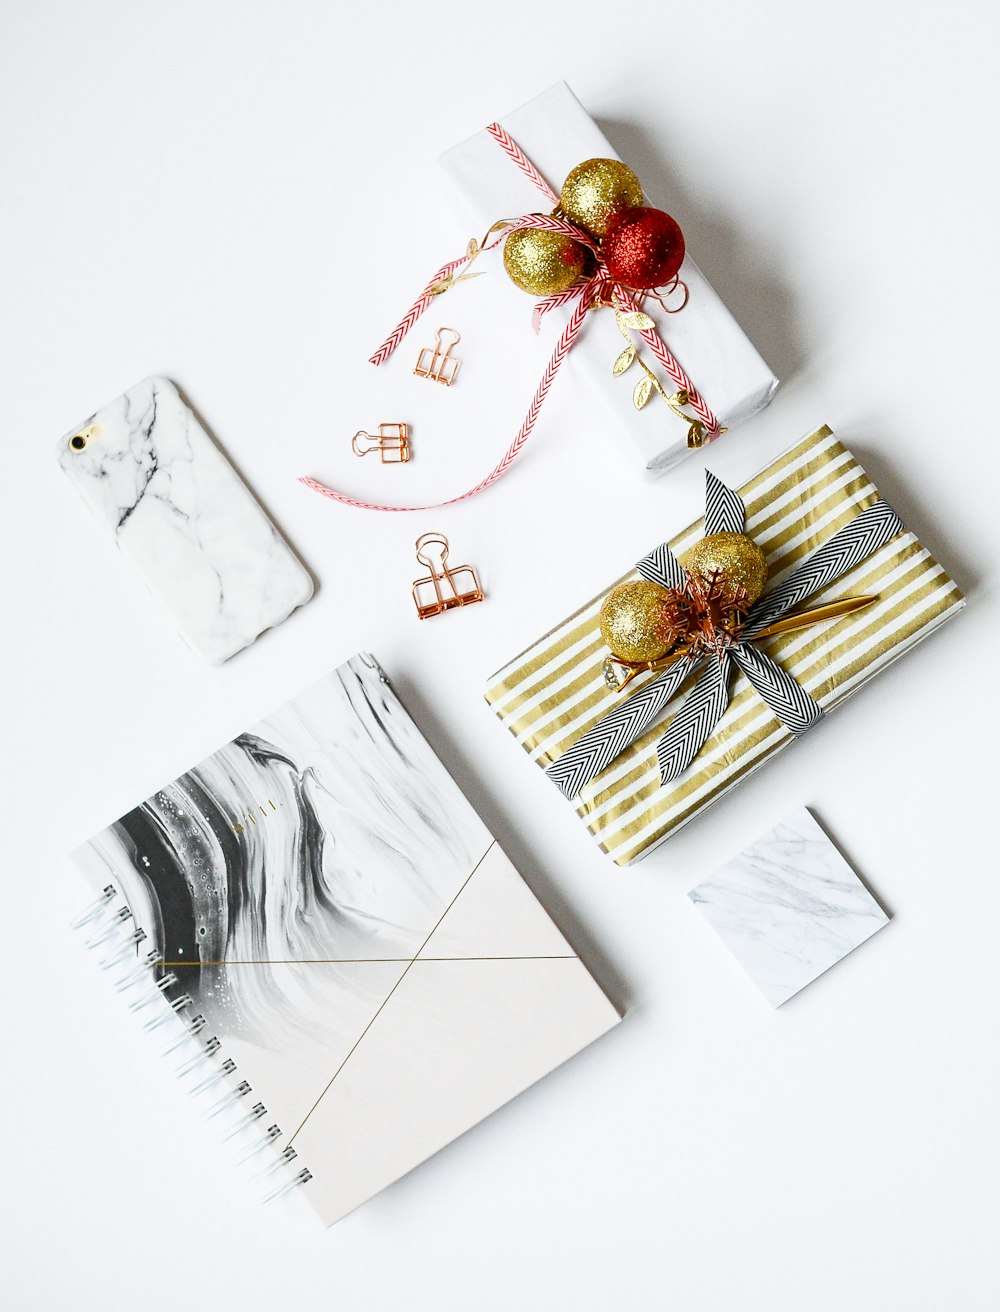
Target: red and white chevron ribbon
(510,146)
(597,289)
(566,340)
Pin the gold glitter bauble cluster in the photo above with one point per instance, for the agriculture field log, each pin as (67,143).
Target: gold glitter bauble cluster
(543,263)
(596,190)
(634,621)
(733,558)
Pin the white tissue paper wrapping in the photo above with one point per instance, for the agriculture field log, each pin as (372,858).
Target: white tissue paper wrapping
(556,133)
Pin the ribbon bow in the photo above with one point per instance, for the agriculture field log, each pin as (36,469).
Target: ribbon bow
(707,700)
(598,290)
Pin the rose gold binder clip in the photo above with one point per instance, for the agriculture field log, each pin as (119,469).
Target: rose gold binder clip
(392,442)
(437,362)
(443,588)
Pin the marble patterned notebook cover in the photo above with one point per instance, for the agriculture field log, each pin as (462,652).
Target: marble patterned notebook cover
(789,907)
(366,953)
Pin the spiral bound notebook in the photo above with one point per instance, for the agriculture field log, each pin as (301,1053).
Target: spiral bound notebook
(360,973)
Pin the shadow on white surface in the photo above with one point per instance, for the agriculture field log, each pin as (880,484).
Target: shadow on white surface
(748,280)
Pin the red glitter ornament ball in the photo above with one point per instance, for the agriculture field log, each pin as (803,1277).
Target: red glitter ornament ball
(643,247)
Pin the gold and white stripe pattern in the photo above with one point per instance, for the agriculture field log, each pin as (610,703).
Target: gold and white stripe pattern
(554,692)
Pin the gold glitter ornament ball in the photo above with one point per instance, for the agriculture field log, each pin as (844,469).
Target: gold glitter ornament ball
(634,621)
(543,263)
(734,557)
(596,190)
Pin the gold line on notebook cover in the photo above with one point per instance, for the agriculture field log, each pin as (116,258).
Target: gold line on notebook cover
(382,1004)
(365,961)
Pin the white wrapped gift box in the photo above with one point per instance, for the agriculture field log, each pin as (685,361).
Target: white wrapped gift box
(556,133)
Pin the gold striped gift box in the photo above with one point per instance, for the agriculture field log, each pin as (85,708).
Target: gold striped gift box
(555,691)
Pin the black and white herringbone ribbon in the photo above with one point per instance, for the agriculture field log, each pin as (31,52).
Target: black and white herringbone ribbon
(609,737)
(724,511)
(855,542)
(707,700)
(787,699)
(701,710)
(662,566)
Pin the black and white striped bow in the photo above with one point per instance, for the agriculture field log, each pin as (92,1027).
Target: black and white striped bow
(708,698)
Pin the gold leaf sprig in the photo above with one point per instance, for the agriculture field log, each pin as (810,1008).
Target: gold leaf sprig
(472,252)
(637,320)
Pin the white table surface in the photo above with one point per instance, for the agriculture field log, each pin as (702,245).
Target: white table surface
(244,197)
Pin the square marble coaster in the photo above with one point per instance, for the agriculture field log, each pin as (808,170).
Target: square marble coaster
(788,907)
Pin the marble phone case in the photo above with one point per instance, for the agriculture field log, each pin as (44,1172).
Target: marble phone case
(185,519)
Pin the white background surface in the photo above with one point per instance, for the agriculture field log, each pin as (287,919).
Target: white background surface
(243,196)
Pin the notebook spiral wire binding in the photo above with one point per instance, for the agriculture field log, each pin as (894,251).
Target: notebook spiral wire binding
(106,921)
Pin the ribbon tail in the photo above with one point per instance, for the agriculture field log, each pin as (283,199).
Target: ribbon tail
(700,712)
(415,311)
(609,737)
(566,340)
(724,510)
(441,282)
(790,702)
(862,537)
(543,306)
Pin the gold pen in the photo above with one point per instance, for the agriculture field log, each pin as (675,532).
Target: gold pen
(830,611)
